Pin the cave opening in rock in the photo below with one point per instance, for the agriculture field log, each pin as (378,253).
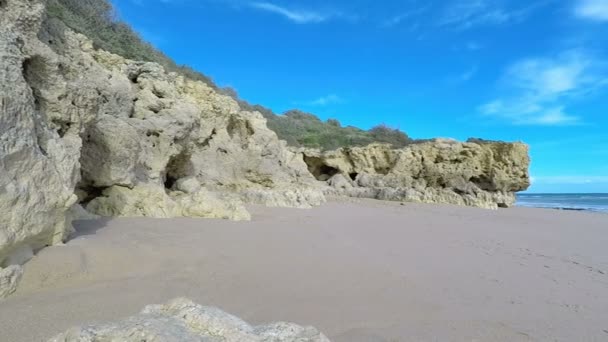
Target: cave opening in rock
(484,182)
(35,72)
(87,193)
(353,176)
(179,166)
(319,169)
(169,182)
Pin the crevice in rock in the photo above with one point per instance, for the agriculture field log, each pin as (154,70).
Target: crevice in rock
(382,170)
(62,127)
(459,191)
(319,169)
(87,193)
(157,93)
(239,127)
(353,175)
(133,77)
(150,133)
(206,142)
(35,72)
(179,166)
(483,182)
(132,108)
(169,181)
(41,147)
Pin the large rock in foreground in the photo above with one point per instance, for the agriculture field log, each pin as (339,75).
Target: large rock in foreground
(184,321)
(476,173)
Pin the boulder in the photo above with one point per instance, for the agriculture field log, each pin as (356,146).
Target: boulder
(182,321)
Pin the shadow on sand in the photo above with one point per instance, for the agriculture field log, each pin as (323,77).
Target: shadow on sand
(88,227)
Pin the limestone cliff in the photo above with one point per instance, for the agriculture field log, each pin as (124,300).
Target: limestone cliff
(81,127)
(476,173)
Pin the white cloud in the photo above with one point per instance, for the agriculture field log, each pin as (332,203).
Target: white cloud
(550,117)
(297,16)
(546,77)
(592,9)
(326,100)
(467,14)
(541,87)
(464,77)
(403,16)
(464,14)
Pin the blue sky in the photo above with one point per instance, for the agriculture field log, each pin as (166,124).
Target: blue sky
(532,71)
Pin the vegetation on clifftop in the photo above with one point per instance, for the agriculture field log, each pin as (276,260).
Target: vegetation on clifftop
(97,20)
(304,129)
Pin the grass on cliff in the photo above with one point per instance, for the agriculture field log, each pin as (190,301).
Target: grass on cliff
(97,20)
(304,129)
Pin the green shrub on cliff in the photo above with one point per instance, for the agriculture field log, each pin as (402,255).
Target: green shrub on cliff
(304,129)
(97,20)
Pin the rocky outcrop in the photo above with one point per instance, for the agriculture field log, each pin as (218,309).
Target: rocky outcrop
(476,173)
(83,128)
(38,167)
(182,320)
(84,132)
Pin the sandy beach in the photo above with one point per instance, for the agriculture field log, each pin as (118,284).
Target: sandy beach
(356,270)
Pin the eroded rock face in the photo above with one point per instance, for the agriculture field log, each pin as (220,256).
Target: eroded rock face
(39,165)
(173,142)
(476,173)
(182,320)
(81,128)
(86,129)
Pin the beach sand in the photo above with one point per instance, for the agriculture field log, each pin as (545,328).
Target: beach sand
(357,270)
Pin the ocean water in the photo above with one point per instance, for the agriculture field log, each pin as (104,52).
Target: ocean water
(582,202)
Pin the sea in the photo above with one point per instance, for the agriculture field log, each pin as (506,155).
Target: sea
(578,202)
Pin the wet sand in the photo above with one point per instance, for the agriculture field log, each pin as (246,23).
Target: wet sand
(357,270)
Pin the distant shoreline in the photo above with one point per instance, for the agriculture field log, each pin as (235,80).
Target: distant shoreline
(586,202)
